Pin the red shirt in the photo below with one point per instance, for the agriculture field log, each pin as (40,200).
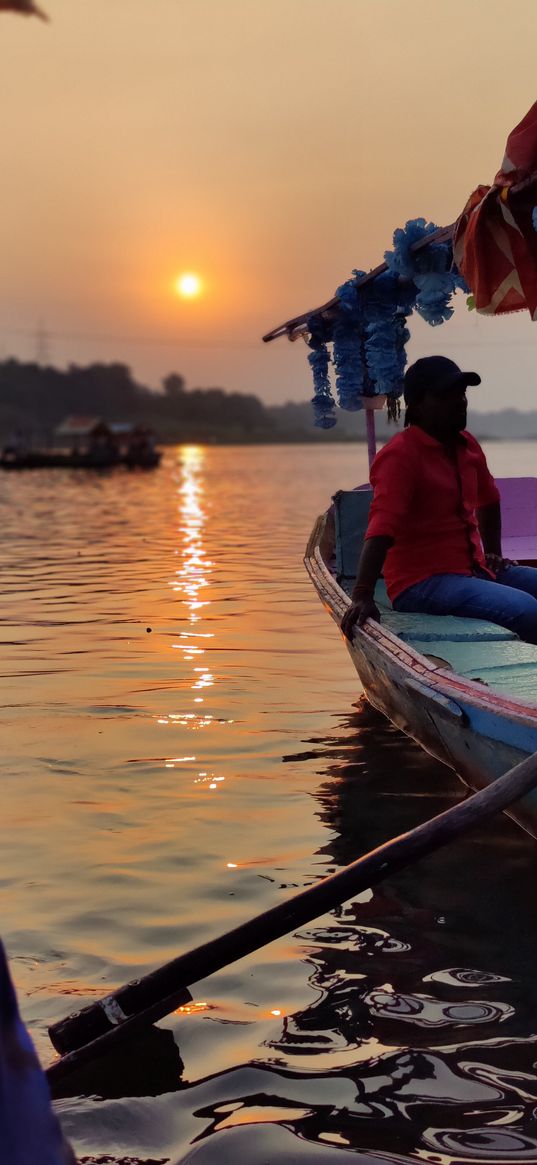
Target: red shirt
(427,503)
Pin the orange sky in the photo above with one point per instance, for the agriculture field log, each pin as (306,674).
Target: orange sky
(269,145)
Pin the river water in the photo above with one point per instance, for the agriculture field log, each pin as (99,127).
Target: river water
(184,745)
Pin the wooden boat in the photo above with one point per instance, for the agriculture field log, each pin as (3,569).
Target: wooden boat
(42,459)
(464,689)
(94,443)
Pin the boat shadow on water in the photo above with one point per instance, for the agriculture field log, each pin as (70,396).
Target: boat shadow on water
(420,1038)
(426,986)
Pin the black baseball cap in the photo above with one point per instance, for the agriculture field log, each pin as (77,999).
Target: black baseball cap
(435,374)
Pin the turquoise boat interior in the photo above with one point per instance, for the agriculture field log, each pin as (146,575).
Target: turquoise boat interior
(473,648)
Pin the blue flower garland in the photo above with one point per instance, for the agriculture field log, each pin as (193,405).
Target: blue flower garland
(385,339)
(324,405)
(369,331)
(347,355)
(431,270)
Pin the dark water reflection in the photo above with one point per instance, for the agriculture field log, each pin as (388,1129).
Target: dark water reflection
(426,994)
(146,807)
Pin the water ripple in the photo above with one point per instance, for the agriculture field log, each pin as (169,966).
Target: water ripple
(428,1012)
(163,654)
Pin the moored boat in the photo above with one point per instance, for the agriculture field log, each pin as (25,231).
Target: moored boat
(93,444)
(464,689)
(42,459)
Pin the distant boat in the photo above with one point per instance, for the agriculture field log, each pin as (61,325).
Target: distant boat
(43,460)
(93,444)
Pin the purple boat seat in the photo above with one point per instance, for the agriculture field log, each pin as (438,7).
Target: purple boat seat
(519,517)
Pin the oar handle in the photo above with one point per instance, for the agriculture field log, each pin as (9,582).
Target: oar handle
(157,994)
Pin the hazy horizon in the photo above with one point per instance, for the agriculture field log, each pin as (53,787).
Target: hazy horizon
(269,150)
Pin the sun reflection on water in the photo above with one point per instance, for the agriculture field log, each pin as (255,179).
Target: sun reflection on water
(192,578)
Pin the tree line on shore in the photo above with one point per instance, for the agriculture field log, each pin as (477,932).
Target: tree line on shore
(35,399)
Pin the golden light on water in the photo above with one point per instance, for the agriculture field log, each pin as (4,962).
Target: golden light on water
(188,285)
(191,578)
(192,1008)
(192,575)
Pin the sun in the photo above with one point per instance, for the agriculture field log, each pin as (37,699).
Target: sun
(188,285)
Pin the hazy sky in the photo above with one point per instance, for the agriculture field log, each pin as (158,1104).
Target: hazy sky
(269,146)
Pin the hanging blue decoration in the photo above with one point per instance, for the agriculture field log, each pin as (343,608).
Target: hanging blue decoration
(436,285)
(402,336)
(324,405)
(430,269)
(534,218)
(402,260)
(347,346)
(383,335)
(368,327)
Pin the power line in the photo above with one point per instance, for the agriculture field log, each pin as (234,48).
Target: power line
(42,346)
(42,337)
(153,341)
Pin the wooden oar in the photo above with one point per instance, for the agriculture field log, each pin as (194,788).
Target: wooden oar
(90,1032)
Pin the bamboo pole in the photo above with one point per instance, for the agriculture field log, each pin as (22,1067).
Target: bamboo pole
(295,327)
(90,1032)
(371,436)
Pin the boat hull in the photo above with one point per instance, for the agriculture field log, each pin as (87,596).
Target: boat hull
(46,460)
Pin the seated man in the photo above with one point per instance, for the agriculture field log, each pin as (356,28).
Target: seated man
(435,525)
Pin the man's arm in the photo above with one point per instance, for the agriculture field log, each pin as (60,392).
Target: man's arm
(489,520)
(363,606)
(393,476)
(393,479)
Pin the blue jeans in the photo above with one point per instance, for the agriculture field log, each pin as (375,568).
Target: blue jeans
(510,601)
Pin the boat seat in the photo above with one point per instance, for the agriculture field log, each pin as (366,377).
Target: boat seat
(473,648)
(519,517)
(351,512)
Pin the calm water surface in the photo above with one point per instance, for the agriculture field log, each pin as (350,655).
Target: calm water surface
(184,745)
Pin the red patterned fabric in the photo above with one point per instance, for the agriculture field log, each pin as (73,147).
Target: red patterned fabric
(495,241)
